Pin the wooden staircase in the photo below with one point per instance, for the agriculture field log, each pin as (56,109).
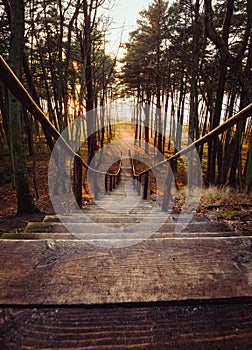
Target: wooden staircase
(92,282)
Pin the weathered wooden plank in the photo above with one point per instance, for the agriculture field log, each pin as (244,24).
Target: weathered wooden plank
(38,235)
(128,226)
(112,218)
(167,326)
(108,235)
(140,216)
(74,272)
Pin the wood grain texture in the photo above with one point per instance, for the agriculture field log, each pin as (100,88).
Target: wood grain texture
(198,326)
(75,272)
(57,227)
(108,235)
(98,213)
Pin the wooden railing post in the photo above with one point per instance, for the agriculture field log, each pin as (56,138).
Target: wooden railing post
(139,185)
(167,189)
(146,184)
(114,181)
(106,183)
(118,177)
(135,177)
(132,171)
(95,187)
(134,181)
(77,181)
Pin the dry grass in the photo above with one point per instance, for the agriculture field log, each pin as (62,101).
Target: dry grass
(214,195)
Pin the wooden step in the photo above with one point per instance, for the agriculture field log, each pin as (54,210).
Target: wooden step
(87,217)
(184,326)
(142,206)
(38,235)
(125,226)
(69,272)
(105,236)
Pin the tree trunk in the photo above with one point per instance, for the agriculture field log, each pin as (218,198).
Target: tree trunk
(91,115)
(158,82)
(4,111)
(24,199)
(193,118)
(214,144)
(248,180)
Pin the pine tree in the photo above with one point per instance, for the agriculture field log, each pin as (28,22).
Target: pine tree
(24,199)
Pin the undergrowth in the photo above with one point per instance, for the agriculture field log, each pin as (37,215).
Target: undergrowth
(215,195)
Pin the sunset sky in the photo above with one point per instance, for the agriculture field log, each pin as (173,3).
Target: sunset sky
(124,14)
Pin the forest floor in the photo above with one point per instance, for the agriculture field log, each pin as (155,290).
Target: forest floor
(9,221)
(225,205)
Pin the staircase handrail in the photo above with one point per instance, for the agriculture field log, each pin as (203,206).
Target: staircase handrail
(235,119)
(8,77)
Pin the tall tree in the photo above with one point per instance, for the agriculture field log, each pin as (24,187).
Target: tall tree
(143,69)
(91,116)
(214,145)
(194,90)
(24,198)
(232,54)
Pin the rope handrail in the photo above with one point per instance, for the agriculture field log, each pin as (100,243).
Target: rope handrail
(8,77)
(10,80)
(235,119)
